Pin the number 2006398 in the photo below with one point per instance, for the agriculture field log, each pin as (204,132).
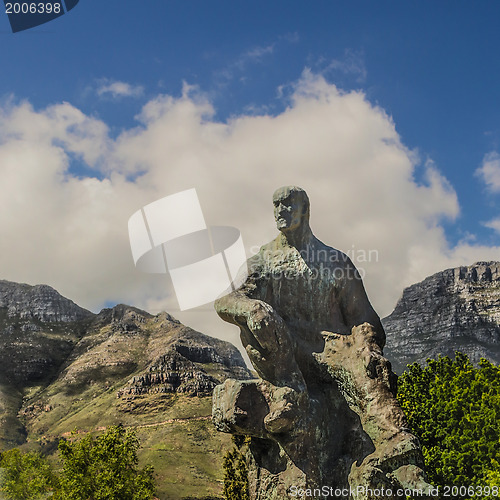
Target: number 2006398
(32,8)
(470,491)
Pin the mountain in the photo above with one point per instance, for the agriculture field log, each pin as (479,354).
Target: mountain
(39,302)
(38,329)
(456,309)
(64,368)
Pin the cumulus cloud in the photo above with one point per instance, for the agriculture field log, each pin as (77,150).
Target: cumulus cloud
(489,172)
(118,89)
(70,231)
(62,128)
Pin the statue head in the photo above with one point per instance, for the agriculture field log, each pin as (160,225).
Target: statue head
(291,209)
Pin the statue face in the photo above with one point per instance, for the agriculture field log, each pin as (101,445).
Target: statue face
(288,212)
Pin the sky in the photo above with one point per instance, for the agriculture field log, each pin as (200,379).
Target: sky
(387,113)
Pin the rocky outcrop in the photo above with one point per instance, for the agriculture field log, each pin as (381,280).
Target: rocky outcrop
(453,310)
(184,367)
(172,373)
(38,330)
(322,416)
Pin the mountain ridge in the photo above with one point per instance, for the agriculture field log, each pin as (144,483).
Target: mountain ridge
(454,309)
(64,368)
(39,302)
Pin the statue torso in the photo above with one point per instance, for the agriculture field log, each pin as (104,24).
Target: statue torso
(303,286)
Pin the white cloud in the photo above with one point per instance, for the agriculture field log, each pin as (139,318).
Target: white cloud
(258,53)
(71,232)
(61,126)
(489,172)
(493,224)
(119,89)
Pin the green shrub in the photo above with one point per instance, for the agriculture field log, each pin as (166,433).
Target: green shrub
(236,470)
(97,468)
(453,408)
(25,475)
(104,467)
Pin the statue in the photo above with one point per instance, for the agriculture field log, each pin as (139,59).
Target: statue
(323,413)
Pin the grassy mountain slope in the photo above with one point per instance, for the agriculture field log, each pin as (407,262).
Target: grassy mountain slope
(150,373)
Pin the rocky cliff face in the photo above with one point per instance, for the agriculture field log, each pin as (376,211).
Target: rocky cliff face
(38,328)
(57,358)
(39,302)
(456,309)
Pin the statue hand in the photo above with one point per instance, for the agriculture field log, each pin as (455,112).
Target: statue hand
(260,315)
(270,346)
(269,329)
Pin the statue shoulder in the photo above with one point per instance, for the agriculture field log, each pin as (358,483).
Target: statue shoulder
(259,263)
(331,255)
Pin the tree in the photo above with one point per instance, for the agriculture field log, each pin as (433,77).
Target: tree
(25,475)
(236,471)
(454,409)
(104,467)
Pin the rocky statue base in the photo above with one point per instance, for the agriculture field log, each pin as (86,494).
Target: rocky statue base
(322,415)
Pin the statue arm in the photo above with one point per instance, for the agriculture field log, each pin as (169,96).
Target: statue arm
(236,307)
(264,334)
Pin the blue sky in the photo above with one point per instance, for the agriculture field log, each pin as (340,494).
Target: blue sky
(433,66)
(431,69)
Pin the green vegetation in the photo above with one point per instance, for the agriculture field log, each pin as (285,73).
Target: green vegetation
(176,434)
(11,430)
(454,409)
(103,467)
(25,475)
(236,470)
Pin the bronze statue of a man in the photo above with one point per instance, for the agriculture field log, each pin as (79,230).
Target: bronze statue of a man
(297,288)
(323,412)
